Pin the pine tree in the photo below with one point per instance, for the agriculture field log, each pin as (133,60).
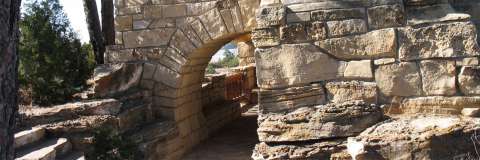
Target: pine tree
(53,62)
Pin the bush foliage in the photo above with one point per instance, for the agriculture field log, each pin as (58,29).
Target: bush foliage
(53,61)
(229,60)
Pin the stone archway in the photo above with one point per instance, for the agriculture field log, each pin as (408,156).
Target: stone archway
(175,42)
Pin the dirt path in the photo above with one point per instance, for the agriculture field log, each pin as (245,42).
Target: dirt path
(235,141)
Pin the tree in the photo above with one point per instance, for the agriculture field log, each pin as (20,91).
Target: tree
(108,23)
(9,15)
(53,62)
(94,29)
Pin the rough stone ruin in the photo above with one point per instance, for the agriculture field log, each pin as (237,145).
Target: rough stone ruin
(338,79)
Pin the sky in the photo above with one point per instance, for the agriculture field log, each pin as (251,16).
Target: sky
(74,11)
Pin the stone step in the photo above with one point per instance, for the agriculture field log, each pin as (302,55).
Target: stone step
(45,150)
(28,137)
(133,115)
(73,156)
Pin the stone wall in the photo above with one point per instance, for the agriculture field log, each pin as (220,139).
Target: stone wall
(326,67)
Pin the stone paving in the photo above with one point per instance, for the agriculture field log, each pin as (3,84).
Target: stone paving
(235,141)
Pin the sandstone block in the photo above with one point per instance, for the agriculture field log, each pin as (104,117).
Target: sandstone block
(147,38)
(317,31)
(374,44)
(438,77)
(318,150)
(123,23)
(421,137)
(271,16)
(141,24)
(134,2)
(129,10)
(298,17)
(153,11)
(450,40)
(319,122)
(358,70)
(439,104)
(288,64)
(386,16)
(469,80)
(214,24)
(116,78)
(399,79)
(166,76)
(266,37)
(433,14)
(471,112)
(339,92)
(281,100)
(470,61)
(293,33)
(248,10)
(346,27)
(338,14)
(172,11)
(384,61)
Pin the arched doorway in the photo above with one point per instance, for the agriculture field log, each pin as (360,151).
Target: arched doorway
(174,61)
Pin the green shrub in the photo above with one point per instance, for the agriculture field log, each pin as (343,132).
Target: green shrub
(110,146)
(53,61)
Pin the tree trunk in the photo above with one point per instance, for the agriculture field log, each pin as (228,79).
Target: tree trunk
(108,26)
(9,15)
(94,29)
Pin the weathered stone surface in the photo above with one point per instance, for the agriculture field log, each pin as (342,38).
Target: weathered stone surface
(439,104)
(293,33)
(319,150)
(150,12)
(384,61)
(450,40)
(28,137)
(248,10)
(338,14)
(374,44)
(281,100)
(116,78)
(266,37)
(214,24)
(471,112)
(317,31)
(177,10)
(346,27)
(433,14)
(469,61)
(298,17)
(438,77)
(358,70)
(147,38)
(288,64)
(386,16)
(271,16)
(40,116)
(319,122)
(339,92)
(469,80)
(420,137)
(123,23)
(399,79)
(424,2)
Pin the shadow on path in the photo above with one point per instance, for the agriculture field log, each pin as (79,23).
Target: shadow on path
(235,141)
